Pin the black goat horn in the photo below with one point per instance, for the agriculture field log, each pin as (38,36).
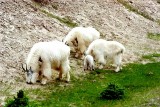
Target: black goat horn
(25,70)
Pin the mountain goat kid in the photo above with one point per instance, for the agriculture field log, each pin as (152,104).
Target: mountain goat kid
(45,56)
(88,63)
(79,39)
(101,49)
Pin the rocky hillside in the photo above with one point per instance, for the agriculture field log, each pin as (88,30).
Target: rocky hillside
(24,22)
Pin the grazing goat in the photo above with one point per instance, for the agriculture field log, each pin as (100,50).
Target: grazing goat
(45,56)
(79,39)
(101,49)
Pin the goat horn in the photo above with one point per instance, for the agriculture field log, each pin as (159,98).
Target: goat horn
(23,68)
(26,67)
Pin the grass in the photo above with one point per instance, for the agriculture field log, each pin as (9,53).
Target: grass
(65,20)
(158,21)
(133,9)
(154,36)
(151,57)
(139,81)
(20,101)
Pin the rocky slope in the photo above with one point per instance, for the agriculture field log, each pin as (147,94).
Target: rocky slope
(22,23)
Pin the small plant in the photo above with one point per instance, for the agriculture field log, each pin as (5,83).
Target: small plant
(42,2)
(133,9)
(55,6)
(112,92)
(66,20)
(158,21)
(154,36)
(20,101)
(151,57)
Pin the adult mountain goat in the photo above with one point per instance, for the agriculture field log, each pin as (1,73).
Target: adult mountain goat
(103,50)
(80,37)
(45,56)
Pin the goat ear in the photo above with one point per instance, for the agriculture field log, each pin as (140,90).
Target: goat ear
(72,42)
(66,44)
(40,59)
(63,40)
(76,40)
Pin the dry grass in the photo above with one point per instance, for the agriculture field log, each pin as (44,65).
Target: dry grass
(133,9)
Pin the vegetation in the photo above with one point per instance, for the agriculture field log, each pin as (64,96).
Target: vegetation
(65,20)
(20,101)
(158,21)
(42,2)
(139,81)
(55,6)
(112,92)
(151,57)
(154,36)
(133,9)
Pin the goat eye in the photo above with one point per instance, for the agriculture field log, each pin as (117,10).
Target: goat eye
(28,73)
(67,44)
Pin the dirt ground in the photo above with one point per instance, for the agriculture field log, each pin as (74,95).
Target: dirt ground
(22,25)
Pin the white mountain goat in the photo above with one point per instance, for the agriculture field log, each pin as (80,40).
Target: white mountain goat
(45,56)
(79,38)
(103,50)
(88,63)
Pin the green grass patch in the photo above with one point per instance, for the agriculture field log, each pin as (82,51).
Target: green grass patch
(112,92)
(137,80)
(20,101)
(154,36)
(158,21)
(151,57)
(133,9)
(64,20)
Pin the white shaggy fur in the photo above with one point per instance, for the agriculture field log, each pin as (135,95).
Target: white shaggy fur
(80,37)
(88,63)
(101,49)
(53,55)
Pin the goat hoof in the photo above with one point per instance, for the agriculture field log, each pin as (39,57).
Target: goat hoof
(66,81)
(29,82)
(44,81)
(38,81)
(58,79)
(100,67)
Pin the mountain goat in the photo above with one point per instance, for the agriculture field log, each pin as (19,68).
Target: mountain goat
(88,63)
(79,38)
(45,56)
(101,49)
